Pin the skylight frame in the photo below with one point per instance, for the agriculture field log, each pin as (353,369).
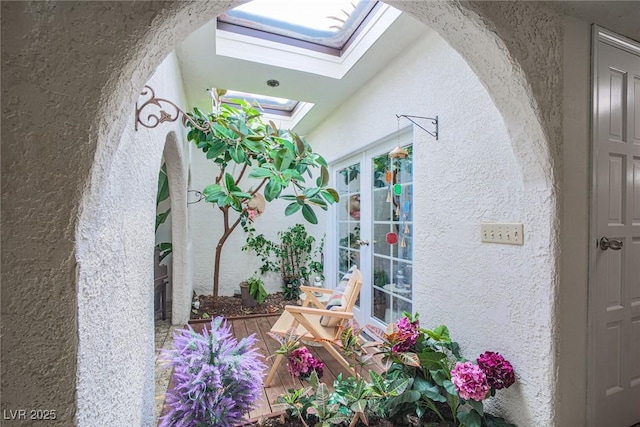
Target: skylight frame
(249,25)
(266,103)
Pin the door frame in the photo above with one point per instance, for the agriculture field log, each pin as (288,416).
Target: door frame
(403,135)
(598,34)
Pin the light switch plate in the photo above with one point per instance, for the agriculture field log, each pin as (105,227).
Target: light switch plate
(508,234)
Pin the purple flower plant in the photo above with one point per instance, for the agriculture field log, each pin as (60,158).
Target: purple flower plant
(470,381)
(408,333)
(499,371)
(217,379)
(301,363)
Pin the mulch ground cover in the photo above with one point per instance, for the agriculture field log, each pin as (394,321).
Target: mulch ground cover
(231,306)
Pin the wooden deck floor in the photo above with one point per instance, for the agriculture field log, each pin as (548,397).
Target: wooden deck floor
(283,381)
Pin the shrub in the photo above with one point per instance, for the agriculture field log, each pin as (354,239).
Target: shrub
(217,379)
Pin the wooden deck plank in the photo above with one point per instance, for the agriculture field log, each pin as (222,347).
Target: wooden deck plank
(268,396)
(241,331)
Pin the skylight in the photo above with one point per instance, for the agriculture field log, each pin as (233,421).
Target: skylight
(323,25)
(269,104)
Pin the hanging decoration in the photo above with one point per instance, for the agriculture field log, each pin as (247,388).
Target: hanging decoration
(389,176)
(392,238)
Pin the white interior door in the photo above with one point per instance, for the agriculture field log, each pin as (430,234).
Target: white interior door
(614,292)
(372,228)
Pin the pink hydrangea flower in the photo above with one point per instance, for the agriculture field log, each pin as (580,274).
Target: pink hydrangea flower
(408,333)
(301,363)
(499,371)
(470,381)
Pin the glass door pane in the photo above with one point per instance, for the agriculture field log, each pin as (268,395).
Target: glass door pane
(392,225)
(348,187)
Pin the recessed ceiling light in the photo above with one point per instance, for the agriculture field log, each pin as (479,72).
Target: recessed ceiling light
(273,83)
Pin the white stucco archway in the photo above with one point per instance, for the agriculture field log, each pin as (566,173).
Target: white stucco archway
(522,93)
(174,158)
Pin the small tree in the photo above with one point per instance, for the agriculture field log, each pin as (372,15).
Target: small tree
(243,146)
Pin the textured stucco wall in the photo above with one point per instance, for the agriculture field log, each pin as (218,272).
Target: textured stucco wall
(71,73)
(470,175)
(122,231)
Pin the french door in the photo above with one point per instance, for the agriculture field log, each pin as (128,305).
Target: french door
(372,227)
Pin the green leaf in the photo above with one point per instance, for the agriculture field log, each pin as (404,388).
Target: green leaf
(431,359)
(323,179)
(359,405)
(451,389)
(470,419)
(439,376)
(320,160)
(163,185)
(162,217)
(217,148)
(398,387)
(428,390)
(213,192)
(311,192)
(329,195)
(272,190)
(230,182)
(337,419)
(283,159)
(441,333)
(322,396)
(299,145)
(274,127)
(292,208)
(241,194)
(309,214)
(237,153)
(477,406)
(318,202)
(224,201)
(165,249)
(493,421)
(261,172)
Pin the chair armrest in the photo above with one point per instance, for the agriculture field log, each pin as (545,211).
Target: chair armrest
(318,311)
(307,289)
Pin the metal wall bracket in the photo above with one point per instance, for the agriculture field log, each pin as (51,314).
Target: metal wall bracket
(155,112)
(434,121)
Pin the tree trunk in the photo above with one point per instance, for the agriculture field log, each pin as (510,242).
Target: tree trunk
(227,232)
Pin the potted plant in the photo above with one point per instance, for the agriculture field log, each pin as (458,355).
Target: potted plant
(295,257)
(217,379)
(252,291)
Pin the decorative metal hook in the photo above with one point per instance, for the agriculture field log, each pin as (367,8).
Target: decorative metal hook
(153,118)
(434,121)
(198,194)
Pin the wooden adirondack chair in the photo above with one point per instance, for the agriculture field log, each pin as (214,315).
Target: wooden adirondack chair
(309,320)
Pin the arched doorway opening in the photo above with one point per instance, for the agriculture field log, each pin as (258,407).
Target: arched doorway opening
(177,173)
(505,72)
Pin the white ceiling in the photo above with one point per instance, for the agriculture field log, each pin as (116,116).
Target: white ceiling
(202,68)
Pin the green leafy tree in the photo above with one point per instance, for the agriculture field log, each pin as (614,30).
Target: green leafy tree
(253,156)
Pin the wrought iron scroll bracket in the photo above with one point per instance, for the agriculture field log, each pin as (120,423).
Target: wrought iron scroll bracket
(433,120)
(154,111)
(198,194)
